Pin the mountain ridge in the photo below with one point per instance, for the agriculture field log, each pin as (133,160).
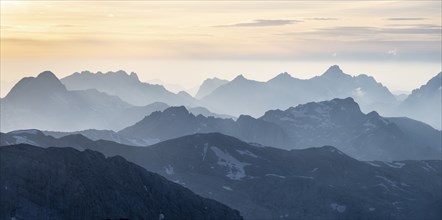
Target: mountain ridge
(261,182)
(87,185)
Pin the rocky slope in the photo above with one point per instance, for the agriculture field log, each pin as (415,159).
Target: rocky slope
(63,183)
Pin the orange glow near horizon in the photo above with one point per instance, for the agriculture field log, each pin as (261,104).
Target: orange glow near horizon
(67,36)
(221,30)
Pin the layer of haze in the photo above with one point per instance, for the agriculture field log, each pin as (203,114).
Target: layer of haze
(397,42)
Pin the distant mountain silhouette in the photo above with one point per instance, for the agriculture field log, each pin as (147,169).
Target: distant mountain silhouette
(126,86)
(63,183)
(243,96)
(107,135)
(178,121)
(270,183)
(43,102)
(425,103)
(341,123)
(208,86)
(338,122)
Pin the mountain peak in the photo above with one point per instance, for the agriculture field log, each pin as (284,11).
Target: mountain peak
(334,71)
(120,73)
(283,76)
(209,85)
(47,75)
(134,75)
(176,110)
(44,84)
(239,77)
(345,108)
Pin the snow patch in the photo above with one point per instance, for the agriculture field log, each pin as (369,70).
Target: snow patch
(23,140)
(338,208)
(205,151)
(227,188)
(247,153)
(397,165)
(235,168)
(372,164)
(404,184)
(179,182)
(383,186)
(169,169)
(284,216)
(305,177)
(392,183)
(427,167)
(161,217)
(275,175)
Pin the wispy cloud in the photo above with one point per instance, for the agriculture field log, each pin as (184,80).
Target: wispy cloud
(367,30)
(405,19)
(392,52)
(261,23)
(322,19)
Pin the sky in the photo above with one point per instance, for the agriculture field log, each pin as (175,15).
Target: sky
(184,42)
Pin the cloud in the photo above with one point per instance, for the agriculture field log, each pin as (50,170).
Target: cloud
(66,26)
(392,52)
(414,25)
(322,19)
(371,31)
(405,19)
(262,23)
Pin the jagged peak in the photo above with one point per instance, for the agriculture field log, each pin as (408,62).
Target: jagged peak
(239,78)
(84,72)
(121,72)
(176,110)
(282,76)
(118,72)
(184,94)
(214,79)
(436,79)
(334,71)
(245,118)
(345,100)
(134,75)
(337,104)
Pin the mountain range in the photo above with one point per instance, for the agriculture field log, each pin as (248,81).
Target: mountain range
(269,183)
(425,103)
(63,183)
(126,86)
(208,86)
(115,100)
(43,102)
(338,122)
(108,146)
(244,96)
